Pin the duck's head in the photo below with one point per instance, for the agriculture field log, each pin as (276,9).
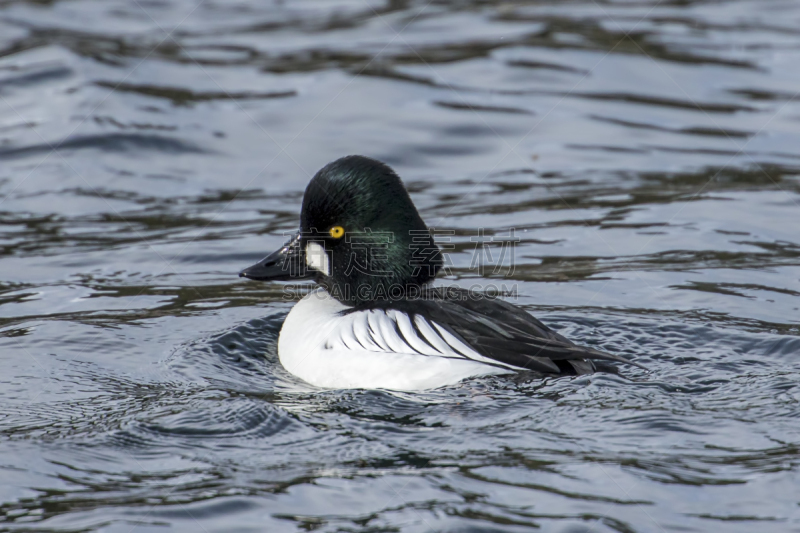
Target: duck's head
(360,236)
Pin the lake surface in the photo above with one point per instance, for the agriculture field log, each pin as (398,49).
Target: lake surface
(644,153)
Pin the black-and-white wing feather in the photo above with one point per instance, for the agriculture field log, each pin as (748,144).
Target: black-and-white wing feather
(457,323)
(396,331)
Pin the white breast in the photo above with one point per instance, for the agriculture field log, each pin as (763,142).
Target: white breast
(373,349)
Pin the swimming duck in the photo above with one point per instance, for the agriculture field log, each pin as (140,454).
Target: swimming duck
(375,321)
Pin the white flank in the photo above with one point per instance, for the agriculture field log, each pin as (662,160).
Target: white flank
(372,349)
(317,258)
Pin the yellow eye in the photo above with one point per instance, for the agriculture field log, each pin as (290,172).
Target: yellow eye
(337,232)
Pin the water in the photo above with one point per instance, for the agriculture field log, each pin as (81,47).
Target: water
(644,152)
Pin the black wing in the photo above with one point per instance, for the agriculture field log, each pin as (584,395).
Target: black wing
(499,331)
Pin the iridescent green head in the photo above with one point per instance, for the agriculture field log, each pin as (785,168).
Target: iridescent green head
(360,236)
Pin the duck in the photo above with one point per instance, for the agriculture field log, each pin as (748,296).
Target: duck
(375,320)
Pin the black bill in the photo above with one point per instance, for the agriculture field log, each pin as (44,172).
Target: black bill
(288,263)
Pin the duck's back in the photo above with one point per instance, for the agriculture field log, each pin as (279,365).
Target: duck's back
(436,338)
(500,331)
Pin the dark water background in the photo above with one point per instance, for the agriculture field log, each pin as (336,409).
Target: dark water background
(645,152)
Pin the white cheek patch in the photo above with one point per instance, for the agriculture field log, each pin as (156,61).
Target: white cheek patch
(317,258)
